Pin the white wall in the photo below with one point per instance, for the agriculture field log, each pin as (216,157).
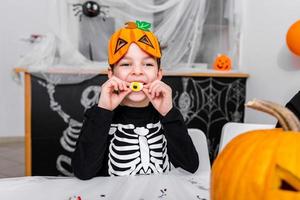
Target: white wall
(18,19)
(274,70)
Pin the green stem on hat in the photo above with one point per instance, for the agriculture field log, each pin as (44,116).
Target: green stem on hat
(145,26)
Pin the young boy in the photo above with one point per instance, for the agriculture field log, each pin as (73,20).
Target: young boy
(134,129)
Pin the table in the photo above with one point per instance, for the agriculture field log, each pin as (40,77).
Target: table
(54,113)
(175,185)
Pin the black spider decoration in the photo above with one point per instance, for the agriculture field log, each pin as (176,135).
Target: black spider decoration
(89,9)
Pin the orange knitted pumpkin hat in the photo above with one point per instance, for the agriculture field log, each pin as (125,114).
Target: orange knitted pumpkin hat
(137,32)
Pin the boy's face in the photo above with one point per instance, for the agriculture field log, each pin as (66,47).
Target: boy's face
(136,66)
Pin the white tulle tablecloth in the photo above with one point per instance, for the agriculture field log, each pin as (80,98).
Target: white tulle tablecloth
(173,186)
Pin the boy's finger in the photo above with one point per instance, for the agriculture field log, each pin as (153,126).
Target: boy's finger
(146,91)
(114,85)
(155,90)
(158,92)
(120,83)
(152,85)
(128,91)
(146,85)
(120,86)
(124,86)
(125,93)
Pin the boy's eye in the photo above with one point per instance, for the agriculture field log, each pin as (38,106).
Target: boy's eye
(149,64)
(125,64)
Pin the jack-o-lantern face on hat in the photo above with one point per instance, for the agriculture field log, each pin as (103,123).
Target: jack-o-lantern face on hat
(133,32)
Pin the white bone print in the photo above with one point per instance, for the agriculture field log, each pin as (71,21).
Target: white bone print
(137,150)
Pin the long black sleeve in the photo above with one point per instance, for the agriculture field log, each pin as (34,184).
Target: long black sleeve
(181,150)
(91,147)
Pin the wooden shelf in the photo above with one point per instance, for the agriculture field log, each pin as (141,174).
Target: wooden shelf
(208,73)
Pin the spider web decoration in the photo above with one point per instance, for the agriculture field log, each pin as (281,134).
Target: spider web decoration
(215,102)
(237,94)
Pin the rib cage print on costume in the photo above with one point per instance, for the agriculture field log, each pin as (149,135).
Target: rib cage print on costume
(137,150)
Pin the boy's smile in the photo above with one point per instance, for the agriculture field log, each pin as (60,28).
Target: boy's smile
(136,66)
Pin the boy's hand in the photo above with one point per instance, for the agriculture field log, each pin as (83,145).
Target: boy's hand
(160,95)
(113,91)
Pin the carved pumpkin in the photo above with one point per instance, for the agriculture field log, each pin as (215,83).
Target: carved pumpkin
(260,164)
(134,32)
(222,62)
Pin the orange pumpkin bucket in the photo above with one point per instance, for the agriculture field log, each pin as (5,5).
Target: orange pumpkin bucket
(222,62)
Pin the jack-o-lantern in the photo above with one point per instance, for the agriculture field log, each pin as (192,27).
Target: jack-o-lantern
(134,32)
(222,62)
(260,164)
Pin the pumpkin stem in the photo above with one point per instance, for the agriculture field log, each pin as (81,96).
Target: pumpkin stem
(130,25)
(285,117)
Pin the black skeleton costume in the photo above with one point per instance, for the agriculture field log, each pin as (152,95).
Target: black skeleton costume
(129,141)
